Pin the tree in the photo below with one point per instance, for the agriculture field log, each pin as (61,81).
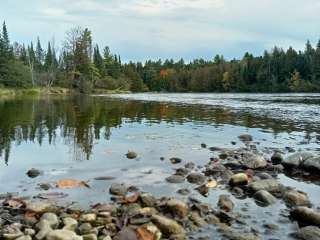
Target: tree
(39,56)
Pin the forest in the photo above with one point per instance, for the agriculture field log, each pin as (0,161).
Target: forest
(80,65)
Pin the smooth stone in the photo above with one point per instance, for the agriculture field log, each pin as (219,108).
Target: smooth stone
(152,230)
(70,224)
(89,217)
(126,233)
(167,226)
(33,173)
(26,237)
(295,198)
(175,160)
(306,216)
(296,159)
(90,237)
(131,155)
(276,158)
(239,179)
(312,164)
(233,235)
(118,189)
(189,165)
(196,178)
(52,219)
(183,191)
(29,231)
(148,200)
(85,228)
(44,229)
(182,171)
(175,179)
(264,175)
(225,203)
(245,138)
(240,159)
(270,185)
(178,207)
(264,197)
(309,233)
(40,206)
(197,219)
(63,235)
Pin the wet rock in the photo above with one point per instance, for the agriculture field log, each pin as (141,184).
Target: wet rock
(270,185)
(40,206)
(296,198)
(126,233)
(175,160)
(151,229)
(91,236)
(239,179)
(167,226)
(51,218)
(264,175)
(240,159)
(203,145)
(11,232)
(296,159)
(197,219)
(309,233)
(264,198)
(85,228)
(306,216)
(175,179)
(131,155)
(63,235)
(89,217)
(26,237)
(118,189)
(33,173)
(312,164)
(189,165)
(148,200)
(45,186)
(70,224)
(29,231)
(276,158)
(196,178)
(203,190)
(225,203)
(183,191)
(182,171)
(233,235)
(178,207)
(245,138)
(44,228)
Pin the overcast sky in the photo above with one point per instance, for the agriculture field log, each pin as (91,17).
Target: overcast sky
(142,29)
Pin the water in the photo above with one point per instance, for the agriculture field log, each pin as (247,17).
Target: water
(86,137)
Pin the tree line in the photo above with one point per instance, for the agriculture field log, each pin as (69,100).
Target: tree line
(81,65)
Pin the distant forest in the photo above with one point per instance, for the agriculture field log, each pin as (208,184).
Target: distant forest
(79,64)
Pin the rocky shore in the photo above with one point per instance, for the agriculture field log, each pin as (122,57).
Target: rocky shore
(134,214)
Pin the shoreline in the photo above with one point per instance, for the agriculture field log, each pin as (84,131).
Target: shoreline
(135,214)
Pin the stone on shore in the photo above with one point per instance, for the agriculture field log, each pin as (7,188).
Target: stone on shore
(306,216)
(178,207)
(225,203)
(295,198)
(309,233)
(270,185)
(167,226)
(245,138)
(63,235)
(196,178)
(118,189)
(264,198)
(295,160)
(33,173)
(239,179)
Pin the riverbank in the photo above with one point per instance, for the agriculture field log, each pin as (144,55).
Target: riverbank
(132,213)
(33,91)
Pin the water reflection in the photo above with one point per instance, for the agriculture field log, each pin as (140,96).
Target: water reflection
(80,121)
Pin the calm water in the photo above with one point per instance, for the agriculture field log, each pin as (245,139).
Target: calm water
(86,137)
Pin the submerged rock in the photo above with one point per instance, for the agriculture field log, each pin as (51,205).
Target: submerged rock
(270,185)
(196,178)
(245,138)
(33,173)
(233,235)
(264,198)
(118,189)
(312,164)
(178,207)
(295,160)
(175,160)
(276,158)
(240,159)
(175,179)
(131,155)
(225,203)
(295,198)
(309,233)
(306,216)
(167,226)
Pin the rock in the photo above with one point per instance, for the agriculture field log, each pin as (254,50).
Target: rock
(11,232)
(309,233)
(126,233)
(239,159)
(45,186)
(183,191)
(239,179)
(270,185)
(175,160)
(151,231)
(44,229)
(203,145)
(148,200)
(26,237)
(196,178)
(89,217)
(70,224)
(318,137)
(63,235)
(182,171)
(40,206)
(189,165)
(233,235)
(91,236)
(306,216)
(203,190)
(296,159)
(85,228)
(29,231)
(175,179)
(51,218)
(296,198)
(118,189)
(167,226)
(264,175)
(131,155)
(312,164)
(245,138)
(225,203)
(33,173)
(178,208)
(276,158)
(106,238)
(264,198)
(197,219)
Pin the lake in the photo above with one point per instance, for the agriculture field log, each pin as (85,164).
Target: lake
(84,137)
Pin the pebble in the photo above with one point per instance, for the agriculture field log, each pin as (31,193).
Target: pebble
(63,235)
(196,178)
(167,226)
(264,198)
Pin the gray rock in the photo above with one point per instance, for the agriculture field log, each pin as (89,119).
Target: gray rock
(51,218)
(245,138)
(183,191)
(239,179)
(264,175)
(178,207)
(90,237)
(26,237)
(148,200)
(175,179)
(70,224)
(85,228)
(312,164)
(44,228)
(167,226)
(33,173)
(244,159)
(225,203)
(118,189)
(306,216)
(309,233)
(131,155)
(196,178)
(175,160)
(276,158)
(295,198)
(63,235)
(270,185)
(296,159)
(233,235)
(40,206)
(264,198)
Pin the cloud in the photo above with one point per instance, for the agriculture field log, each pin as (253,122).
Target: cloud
(139,29)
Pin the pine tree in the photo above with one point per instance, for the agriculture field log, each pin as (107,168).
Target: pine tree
(39,56)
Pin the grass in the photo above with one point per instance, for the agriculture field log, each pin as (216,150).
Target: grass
(7,92)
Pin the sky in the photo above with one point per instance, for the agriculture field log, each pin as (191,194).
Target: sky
(153,29)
